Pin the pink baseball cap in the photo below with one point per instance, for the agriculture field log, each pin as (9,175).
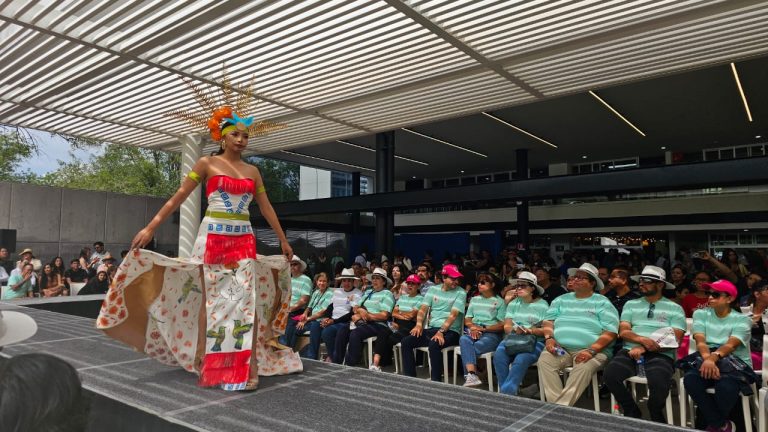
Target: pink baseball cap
(413,279)
(722,285)
(451,271)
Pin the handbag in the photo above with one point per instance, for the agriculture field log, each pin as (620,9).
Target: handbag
(519,343)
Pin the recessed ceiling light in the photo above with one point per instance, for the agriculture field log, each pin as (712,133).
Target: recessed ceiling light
(326,160)
(584,157)
(616,112)
(758,136)
(518,129)
(372,150)
(746,230)
(443,142)
(413,177)
(462,171)
(663,148)
(741,91)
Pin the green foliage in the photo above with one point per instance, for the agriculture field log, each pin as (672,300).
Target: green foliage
(281,178)
(15,147)
(121,169)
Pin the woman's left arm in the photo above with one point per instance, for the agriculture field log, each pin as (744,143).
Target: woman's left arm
(265,207)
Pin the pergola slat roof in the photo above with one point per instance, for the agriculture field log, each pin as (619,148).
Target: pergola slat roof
(340,69)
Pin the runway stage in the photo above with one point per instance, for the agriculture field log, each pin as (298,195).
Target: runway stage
(135,393)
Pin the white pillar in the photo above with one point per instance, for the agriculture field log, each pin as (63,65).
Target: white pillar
(189,213)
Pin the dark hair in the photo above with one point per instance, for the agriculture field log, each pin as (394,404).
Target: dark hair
(40,392)
(428,265)
(490,276)
(84,254)
(403,272)
(98,243)
(74,261)
(623,271)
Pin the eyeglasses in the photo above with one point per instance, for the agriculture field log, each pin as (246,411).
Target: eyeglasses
(483,282)
(578,277)
(521,286)
(717,294)
(647,280)
(651,308)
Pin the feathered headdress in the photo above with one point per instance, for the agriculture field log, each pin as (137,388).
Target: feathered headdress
(222,112)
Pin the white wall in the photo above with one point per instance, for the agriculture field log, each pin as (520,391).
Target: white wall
(314,183)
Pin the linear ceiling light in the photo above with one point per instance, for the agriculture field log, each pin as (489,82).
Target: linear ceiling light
(444,142)
(372,150)
(518,129)
(326,160)
(616,112)
(741,91)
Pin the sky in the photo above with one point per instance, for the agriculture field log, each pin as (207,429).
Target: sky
(52,149)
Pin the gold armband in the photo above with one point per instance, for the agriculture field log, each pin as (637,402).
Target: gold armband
(195,177)
(260,190)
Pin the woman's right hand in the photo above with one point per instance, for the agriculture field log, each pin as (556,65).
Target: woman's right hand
(551,345)
(142,238)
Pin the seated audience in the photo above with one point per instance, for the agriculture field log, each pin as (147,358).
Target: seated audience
(699,298)
(639,319)
(75,273)
(310,319)
(679,279)
(107,263)
(403,321)
(20,284)
(339,312)
(484,322)
(445,303)
(301,289)
(580,328)
(523,315)
(722,360)
(551,290)
(757,312)
(369,319)
(5,261)
(96,285)
(52,283)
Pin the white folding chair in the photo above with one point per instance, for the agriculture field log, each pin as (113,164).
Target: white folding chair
(397,351)
(595,386)
(369,347)
(763,393)
(488,357)
(445,352)
(634,381)
(687,404)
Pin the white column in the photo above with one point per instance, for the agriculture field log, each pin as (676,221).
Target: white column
(189,213)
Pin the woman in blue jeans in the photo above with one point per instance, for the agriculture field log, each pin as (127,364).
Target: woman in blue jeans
(523,315)
(483,324)
(310,320)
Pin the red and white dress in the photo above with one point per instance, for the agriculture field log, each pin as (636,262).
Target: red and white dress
(156,304)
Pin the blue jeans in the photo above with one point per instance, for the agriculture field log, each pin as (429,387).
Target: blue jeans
(715,408)
(510,370)
(289,338)
(329,337)
(314,330)
(471,348)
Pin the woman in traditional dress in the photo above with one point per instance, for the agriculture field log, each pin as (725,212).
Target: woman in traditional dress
(219,312)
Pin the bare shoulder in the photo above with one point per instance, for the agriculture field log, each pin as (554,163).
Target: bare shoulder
(253,172)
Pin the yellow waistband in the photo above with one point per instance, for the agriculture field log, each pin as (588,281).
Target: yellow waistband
(225,215)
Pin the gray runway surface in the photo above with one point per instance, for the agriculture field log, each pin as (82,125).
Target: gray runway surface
(323,398)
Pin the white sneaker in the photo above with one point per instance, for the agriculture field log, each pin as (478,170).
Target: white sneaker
(374,368)
(471,380)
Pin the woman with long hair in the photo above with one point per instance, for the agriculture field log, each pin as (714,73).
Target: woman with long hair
(52,283)
(310,319)
(219,312)
(96,285)
(398,273)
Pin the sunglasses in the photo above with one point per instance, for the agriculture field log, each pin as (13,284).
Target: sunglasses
(648,280)
(717,294)
(651,308)
(521,286)
(483,282)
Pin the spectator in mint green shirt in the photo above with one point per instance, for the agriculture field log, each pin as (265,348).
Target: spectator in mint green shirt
(722,336)
(369,319)
(445,304)
(583,324)
(19,284)
(301,289)
(484,322)
(310,319)
(403,321)
(523,316)
(640,318)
